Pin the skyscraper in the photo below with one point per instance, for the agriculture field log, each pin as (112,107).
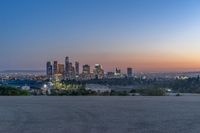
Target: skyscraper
(86,72)
(86,69)
(49,69)
(117,72)
(71,73)
(77,68)
(98,71)
(67,66)
(61,69)
(129,72)
(55,67)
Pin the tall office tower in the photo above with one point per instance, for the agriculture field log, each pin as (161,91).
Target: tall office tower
(70,68)
(71,71)
(86,69)
(49,69)
(98,71)
(117,71)
(61,69)
(77,68)
(67,66)
(129,72)
(55,67)
(73,74)
(86,72)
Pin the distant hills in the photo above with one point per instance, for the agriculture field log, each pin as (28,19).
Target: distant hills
(23,71)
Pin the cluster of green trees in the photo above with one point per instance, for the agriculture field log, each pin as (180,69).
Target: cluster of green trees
(190,85)
(72,92)
(151,87)
(119,93)
(152,92)
(119,81)
(84,92)
(12,91)
(77,88)
(145,87)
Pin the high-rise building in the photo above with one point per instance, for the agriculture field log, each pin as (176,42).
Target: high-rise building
(49,69)
(129,72)
(77,68)
(61,69)
(71,73)
(70,68)
(86,69)
(55,67)
(67,66)
(98,71)
(117,72)
(86,72)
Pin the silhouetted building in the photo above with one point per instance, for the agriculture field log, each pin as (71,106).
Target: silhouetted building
(71,71)
(86,69)
(129,72)
(98,71)
(49,69)
(86,72)
(77,68)
(55,67)
(61,69)
(67,66)
(118,73)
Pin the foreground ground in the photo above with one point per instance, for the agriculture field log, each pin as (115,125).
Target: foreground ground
(167,114)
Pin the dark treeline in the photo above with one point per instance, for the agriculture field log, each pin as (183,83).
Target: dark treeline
(190,85)
(146,87)
(84,92)
(120,81)
(12,91)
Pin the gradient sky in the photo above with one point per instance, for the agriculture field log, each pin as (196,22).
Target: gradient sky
(149,35)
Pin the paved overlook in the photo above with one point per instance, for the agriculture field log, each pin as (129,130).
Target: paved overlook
(167,114)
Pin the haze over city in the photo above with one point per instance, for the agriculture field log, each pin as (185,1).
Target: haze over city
(99,66)
(148,35)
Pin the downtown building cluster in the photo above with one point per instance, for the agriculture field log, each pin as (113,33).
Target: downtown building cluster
(70,71)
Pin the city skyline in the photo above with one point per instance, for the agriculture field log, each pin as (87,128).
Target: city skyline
(147,35)
(68,62)
(68,70)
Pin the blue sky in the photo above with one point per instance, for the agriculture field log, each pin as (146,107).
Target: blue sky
(145,34)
